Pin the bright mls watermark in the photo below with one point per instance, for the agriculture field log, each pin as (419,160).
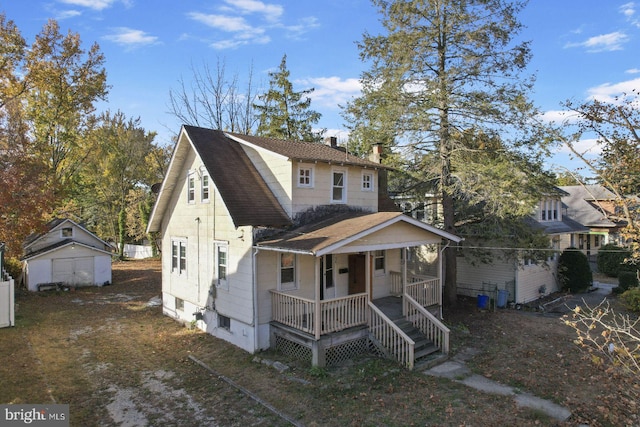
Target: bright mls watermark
(34,415)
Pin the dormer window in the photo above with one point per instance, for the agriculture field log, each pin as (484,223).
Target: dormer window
(550,210)
(339,187)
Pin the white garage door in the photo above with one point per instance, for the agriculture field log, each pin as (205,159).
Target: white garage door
(74,271)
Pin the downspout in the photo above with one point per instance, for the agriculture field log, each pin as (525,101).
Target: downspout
(198,257)
(254,279)
(441,273)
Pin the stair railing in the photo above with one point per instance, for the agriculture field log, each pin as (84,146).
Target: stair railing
(427,323)
(388,335)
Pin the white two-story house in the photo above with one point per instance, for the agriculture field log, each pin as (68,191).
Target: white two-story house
(290,245)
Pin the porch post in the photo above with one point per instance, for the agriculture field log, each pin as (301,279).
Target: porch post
(404,280)
(318,310)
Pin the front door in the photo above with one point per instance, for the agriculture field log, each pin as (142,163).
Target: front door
(357,274)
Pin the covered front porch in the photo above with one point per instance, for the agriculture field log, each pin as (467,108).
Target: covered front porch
(329,308)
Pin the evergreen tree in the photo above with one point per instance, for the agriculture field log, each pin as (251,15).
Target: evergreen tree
(284,113)
(447,84)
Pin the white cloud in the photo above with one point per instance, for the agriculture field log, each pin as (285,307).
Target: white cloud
(604,42)
(608,92)
(250,22)
(91,4)
(331,91)
(628,9)
(633,71)
(558,117)
(588,147)
(68,14)
(130,37)
(271,12)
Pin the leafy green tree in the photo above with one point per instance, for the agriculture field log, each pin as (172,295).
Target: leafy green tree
(64,81)
(446,77)
(284,113)
(615,125)
(118,164)
(574,272)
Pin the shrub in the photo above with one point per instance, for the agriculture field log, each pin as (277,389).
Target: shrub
(631,299)
(13,266)
(574,272)
(611,259)
(627,280)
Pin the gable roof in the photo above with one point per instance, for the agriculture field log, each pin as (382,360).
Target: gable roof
(305,151)
(62,244)
(57,223)
(582,204)
(332,233)
(245,193)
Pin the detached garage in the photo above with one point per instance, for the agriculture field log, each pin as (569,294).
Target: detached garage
(66,255)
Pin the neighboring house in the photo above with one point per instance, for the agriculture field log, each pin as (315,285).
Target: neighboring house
(576,216)
(66,254)
(7,294)
(270,243)
(594,207)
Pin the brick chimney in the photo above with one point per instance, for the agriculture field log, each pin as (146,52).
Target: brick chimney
(331,141)
(376,153)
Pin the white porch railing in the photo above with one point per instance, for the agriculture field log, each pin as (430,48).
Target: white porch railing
(427,323)
(335,314)
(391,337)
(425,290)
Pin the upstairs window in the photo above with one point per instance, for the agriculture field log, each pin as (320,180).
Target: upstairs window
(305,177)
(338,187)
(204,186)
(66,232)
(550,210)
(222,262)
(367,181)
(191,188)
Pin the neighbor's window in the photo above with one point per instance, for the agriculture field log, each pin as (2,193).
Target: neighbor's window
(191,188)
(550,210)
(66,232)
(204,190)
(305,176)
(287,271)
(338,187)
(179,256)
(367,181)
(378,260)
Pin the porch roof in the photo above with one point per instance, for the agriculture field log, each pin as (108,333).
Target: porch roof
(357,232)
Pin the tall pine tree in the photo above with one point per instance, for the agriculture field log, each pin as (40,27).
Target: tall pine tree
(447,83)
(285,113)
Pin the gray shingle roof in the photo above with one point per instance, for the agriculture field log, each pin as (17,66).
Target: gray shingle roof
(245,193)
(307,151)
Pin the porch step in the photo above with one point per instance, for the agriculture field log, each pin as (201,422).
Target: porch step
(424,347)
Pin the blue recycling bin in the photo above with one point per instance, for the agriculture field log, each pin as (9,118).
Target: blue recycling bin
(483,301)
(502,297)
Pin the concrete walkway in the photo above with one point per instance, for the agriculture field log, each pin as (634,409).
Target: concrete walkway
(457,370)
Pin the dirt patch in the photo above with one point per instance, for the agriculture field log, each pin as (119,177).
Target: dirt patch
(111,354)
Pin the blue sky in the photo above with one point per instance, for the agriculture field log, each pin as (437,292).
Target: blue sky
(581,48)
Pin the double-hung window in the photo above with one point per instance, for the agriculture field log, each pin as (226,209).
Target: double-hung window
(338,187)
(205,184)
(221,262)
(287,271)
(191,187)
(179,256)
(378,261)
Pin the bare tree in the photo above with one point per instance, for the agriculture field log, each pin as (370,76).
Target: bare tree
(214,100)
